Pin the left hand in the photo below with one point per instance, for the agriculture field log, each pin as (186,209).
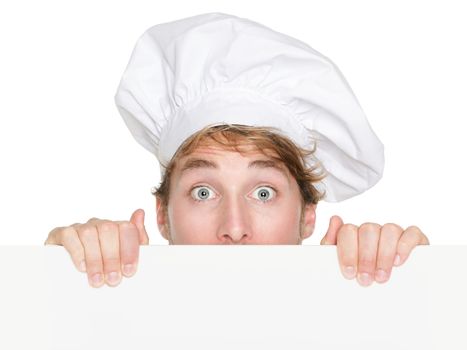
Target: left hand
(371,250)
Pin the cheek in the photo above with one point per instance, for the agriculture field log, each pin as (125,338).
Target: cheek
(280,228)
(189,226)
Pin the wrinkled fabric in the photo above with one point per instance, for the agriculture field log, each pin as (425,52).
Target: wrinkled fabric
(218,68)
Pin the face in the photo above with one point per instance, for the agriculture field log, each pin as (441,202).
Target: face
(218,196)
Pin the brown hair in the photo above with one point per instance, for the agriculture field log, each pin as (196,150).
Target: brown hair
(264,138)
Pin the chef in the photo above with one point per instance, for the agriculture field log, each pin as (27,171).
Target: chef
(251,129)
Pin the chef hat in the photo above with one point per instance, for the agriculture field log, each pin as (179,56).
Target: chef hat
(216,68)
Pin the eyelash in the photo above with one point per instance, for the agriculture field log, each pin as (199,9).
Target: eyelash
(262,202)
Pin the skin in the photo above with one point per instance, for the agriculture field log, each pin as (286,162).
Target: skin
(236,204)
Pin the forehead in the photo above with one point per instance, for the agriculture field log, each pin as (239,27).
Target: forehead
(211,157)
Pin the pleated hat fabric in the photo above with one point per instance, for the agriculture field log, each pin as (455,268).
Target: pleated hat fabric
(217,68)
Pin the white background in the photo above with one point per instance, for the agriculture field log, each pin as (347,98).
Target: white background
(66,155)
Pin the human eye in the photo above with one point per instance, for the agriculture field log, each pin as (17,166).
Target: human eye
(200,193)
(265,193)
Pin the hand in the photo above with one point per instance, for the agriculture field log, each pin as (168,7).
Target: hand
(371,250)
(104,249)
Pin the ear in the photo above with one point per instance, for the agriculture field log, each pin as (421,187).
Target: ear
(309,219)
(162,223)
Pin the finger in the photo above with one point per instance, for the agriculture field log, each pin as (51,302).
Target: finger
(347,250)
(110,249)
(387,248)
(92,220)
(368,238)
(137,218)
(52,238)
(129,248)
(90,240)
(410,238)
(68,238)
(330,238)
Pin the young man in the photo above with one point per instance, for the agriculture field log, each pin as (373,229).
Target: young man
(231,110)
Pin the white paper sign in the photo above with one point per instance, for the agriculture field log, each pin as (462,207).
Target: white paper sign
(233,297)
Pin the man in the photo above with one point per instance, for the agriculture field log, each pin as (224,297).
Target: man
(232,130)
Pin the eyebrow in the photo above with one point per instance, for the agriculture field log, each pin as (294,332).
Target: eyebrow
(197,163)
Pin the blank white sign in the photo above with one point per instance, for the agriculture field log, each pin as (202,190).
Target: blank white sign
(233,297)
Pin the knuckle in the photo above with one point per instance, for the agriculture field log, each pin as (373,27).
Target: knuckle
(69,239)
(53,235)
(112,263)
(414,227)
(369,226)
(391,227)
(87,231)
(366,261)
(94,264)
(93,219)
(67,234)
(127,225)
(415,230)
(107,226)
(349,227)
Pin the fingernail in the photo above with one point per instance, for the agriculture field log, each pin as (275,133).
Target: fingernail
(113,277)
(397,260)
(82,266)
(381,275)
(96,279)
(349,272)
(365,278)
(128,269)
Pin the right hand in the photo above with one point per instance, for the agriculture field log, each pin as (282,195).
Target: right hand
(104,249)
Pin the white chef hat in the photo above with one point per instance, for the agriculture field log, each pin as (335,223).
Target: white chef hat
(216,68)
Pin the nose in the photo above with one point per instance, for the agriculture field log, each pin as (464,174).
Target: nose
(235,227)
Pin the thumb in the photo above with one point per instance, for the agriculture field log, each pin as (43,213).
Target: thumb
(335,224)
(137,218)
